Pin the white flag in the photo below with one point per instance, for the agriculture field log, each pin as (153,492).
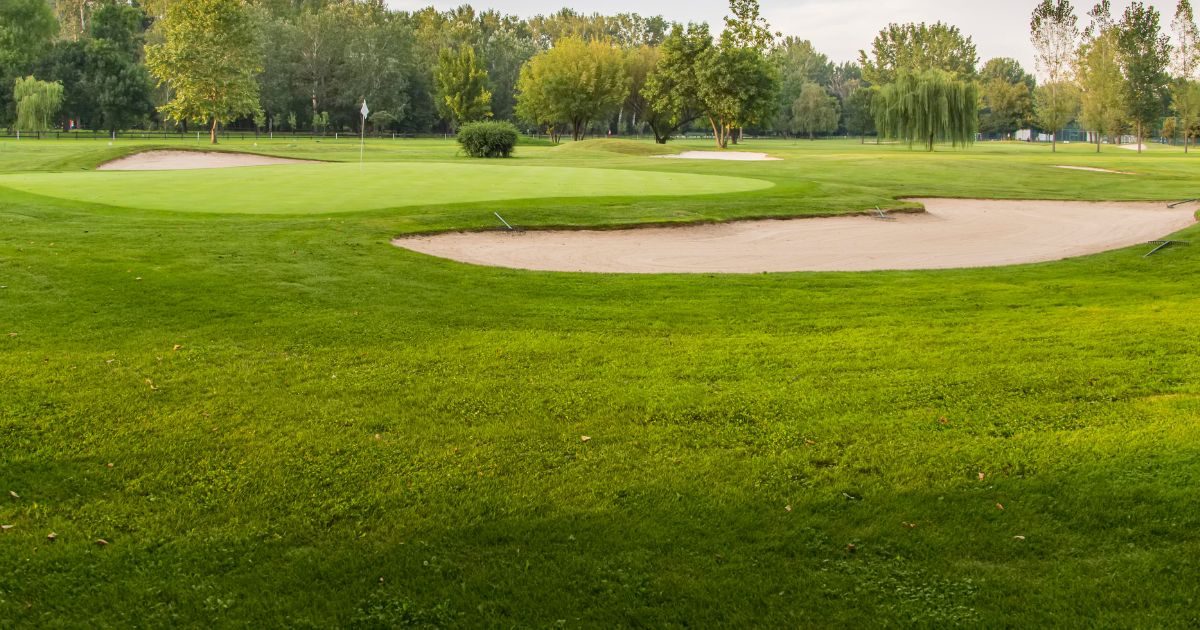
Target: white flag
(365,111)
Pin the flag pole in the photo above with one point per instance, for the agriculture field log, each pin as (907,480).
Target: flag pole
(363,138)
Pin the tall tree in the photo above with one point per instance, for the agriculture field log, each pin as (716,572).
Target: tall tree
(575,82)
(1144,52)
(672,89)
(915,48)
(1185,60)
(928,107)
(815,111)
(737,87)
(208,58)
(462,86)
(1007,92)
(1054,30)
(860,119)
(26,29)
(1185,100)
(1099,77)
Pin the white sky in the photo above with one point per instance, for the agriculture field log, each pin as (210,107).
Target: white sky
(838,28)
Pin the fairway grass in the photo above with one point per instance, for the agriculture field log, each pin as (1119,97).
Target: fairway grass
(284,421)
(328,188)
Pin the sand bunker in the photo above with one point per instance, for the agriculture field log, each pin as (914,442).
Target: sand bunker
(1134,147)
(730,156)
(188,160)
(1092,169)
(954,233)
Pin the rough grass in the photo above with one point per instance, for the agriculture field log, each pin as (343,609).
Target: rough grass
(310,428)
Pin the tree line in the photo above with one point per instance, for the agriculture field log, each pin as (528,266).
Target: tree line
(308,65)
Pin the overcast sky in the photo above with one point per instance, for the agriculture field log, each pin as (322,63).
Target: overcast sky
(838,28)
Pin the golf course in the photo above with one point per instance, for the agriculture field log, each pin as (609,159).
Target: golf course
(228,399)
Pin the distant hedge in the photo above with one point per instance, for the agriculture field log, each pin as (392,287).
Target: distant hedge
(488,139)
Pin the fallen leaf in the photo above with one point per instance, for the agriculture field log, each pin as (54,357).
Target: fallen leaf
(176,348)
(101,542)
(378,437)
(910,525)
(982,476)
(14,494)
(999,506)
(943,420)
(4,528)
(788,507)
(810,442)
(1018,538)
(851,548)
(110,465)
(12,334)
(52,537)
(585,438)
(151,384)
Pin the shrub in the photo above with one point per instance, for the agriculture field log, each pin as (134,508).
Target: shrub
(488,139)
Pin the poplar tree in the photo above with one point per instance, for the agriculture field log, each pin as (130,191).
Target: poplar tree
(1099,77)
(1054,30)
(1144,52)
(1185,59)
(462,86)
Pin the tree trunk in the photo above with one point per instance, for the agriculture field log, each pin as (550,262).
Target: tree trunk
(716,132)
(1054,142)
(1139,137)
(213,131)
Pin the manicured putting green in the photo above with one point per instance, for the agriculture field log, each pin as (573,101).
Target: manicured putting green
(327,188)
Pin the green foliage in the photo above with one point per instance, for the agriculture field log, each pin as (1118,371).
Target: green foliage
(915,48)
(1185,102)
(860,115)
(1099,78)
(575,83)
(462,86)
(488,139)
(1055,105)
(797,64)
(26,30)
(746,28)
(208,59)
(37,102)
(672,89)
(737,87)
(1144,52)
(928,107)
(1054,31)
(815,111)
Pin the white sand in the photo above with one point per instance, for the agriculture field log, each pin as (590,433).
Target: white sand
(954,233)
(1133,147)
(730,156)
(186,160)
(1093,169)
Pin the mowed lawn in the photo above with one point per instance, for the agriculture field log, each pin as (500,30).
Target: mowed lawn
(285,421)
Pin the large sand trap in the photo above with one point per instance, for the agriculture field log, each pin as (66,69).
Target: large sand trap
(730,156)
(1092,169)
(953,233)
(187,160)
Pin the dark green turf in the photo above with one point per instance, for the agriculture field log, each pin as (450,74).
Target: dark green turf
(308,427)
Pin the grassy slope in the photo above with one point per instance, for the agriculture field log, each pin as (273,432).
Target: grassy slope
(351,434)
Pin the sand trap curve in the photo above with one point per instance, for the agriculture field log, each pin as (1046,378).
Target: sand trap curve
(1092,169)
(954,233)
(727,156)
(189,160)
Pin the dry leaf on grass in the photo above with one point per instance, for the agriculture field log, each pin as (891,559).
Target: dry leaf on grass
(585,438)
(999,506)
(4,528)
(101,542)
(52,537)
(14,494)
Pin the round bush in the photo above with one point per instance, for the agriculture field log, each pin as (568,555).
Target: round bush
(488,139)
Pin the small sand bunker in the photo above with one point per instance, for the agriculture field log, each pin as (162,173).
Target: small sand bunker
(188,160)
(1134,147)
(1092,169)
(954,233)
(730,156)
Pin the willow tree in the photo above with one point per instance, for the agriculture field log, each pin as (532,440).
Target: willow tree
(37,103)
(929,107)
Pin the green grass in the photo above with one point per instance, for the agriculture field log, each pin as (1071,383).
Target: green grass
(353,435)
(328,188)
